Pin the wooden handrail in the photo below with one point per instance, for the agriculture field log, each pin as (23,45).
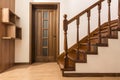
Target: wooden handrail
(66,22)
(83,12)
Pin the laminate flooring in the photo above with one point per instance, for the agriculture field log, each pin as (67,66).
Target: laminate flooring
(42,71)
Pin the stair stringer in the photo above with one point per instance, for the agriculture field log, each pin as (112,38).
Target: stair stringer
(107,60)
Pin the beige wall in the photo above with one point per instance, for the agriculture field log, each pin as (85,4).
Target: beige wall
(107,60)
(70,7)
(22,46)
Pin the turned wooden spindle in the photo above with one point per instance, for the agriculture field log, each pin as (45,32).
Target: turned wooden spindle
(109,18)
(78,45)
(99,23)
(89,42)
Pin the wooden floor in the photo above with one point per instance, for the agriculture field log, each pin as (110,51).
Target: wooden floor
(42,71)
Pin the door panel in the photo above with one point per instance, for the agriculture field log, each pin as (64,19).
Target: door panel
(45,32)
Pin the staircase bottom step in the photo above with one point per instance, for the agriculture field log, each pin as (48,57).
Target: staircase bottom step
(91,74)
(69,69)
(102,44)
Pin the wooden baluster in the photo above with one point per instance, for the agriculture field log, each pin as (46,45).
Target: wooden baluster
(119,15)
(99,24)
(78,45)
(65,28)
(89,42)
(109,18)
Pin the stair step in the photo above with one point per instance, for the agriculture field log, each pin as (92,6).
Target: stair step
(86,52)
(81,50)
(105,29)
(74,56)
(61,64)
(69,69)
(92,38)
(92,53)
(102,44)
(96,37)
(60,61)
(114,29)
(112,25)
(85,44)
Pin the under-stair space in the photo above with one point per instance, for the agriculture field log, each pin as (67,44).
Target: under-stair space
(97,54)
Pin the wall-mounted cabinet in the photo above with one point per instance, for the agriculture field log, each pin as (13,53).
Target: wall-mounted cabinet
(11,20)
(8,22)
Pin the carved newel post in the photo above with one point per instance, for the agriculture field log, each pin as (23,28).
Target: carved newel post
(65,28)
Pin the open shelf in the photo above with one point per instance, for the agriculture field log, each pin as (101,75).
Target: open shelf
(13,32)
(18,33)
(8,16)
(12,22)
(7,38)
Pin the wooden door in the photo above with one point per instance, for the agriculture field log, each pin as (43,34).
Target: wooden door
(45,35)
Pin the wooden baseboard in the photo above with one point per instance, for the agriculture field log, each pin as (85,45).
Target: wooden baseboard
(91,74)
(24,63)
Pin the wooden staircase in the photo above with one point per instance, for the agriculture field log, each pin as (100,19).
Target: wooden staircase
(90,43)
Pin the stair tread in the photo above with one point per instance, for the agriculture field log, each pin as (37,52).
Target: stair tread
(114,29)
(112,25)
(102,44)
(73,56)
(96,37)
(81,50)
(61,65)
(104,29)
(85,44)
(65,69)
(69,69)
(85,51)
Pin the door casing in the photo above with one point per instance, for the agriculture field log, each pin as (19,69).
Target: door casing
(42,5)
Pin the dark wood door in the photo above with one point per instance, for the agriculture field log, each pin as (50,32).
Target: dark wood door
(45,35)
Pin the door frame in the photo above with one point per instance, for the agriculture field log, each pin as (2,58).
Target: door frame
(31,60)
